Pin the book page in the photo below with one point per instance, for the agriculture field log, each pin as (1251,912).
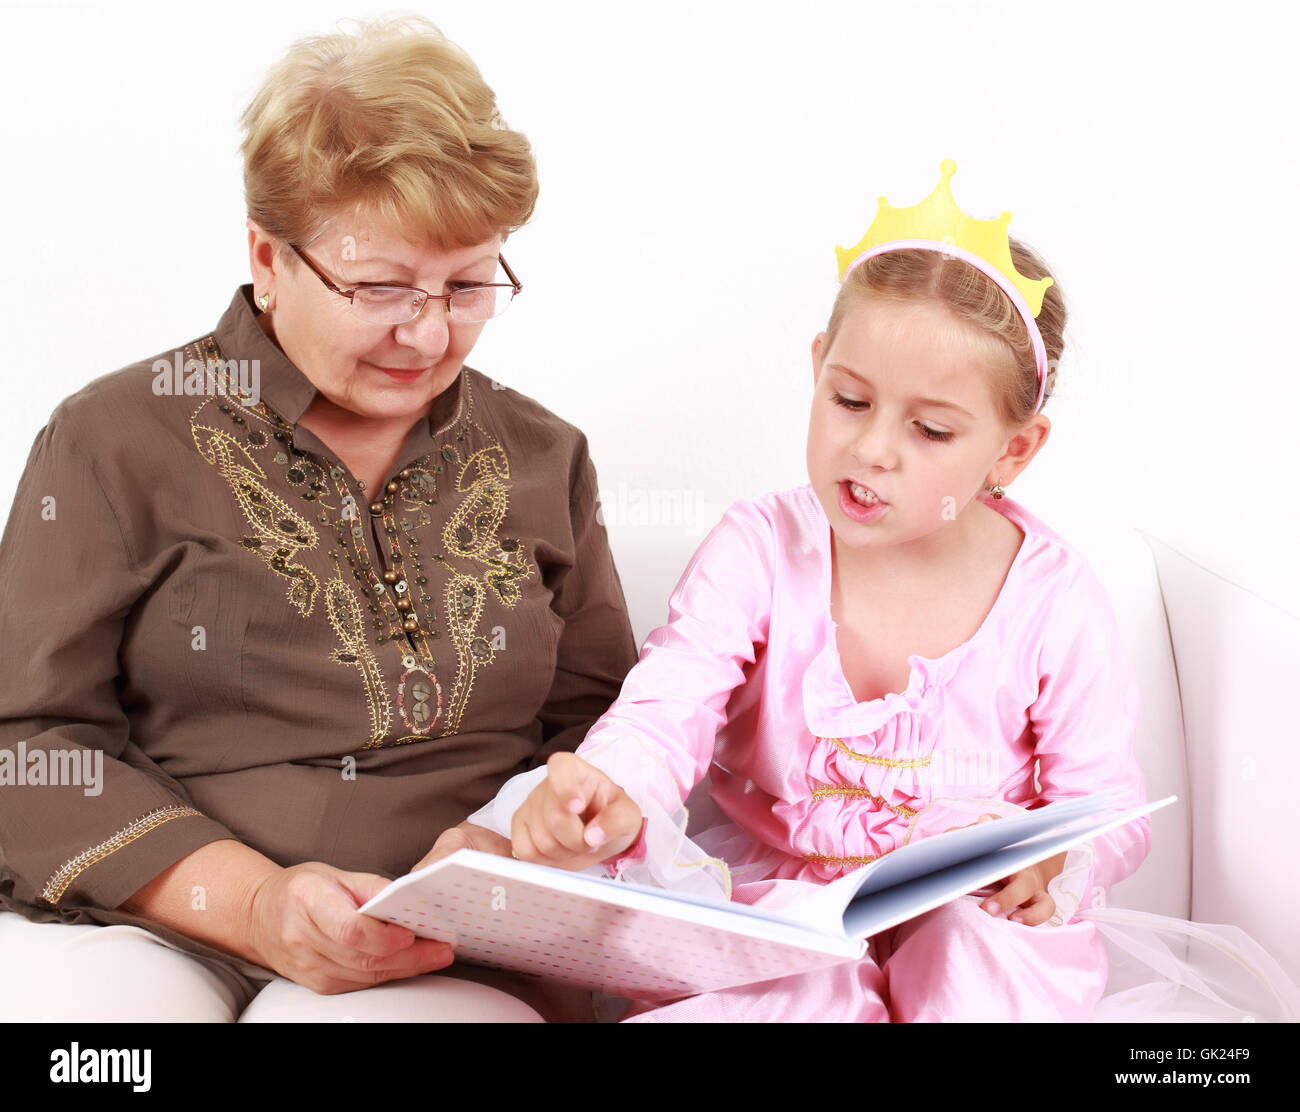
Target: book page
(596,933)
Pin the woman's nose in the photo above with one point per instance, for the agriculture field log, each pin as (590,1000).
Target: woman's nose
(430,332)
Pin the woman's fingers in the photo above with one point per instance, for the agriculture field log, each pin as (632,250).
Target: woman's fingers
(360,944)
(313,934)
(521,841)
(465,836)
(332,910)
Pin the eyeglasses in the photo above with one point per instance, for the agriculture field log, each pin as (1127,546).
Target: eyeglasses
(383,304)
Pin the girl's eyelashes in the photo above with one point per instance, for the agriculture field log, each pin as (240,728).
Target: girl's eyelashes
(925,430)
(934,434)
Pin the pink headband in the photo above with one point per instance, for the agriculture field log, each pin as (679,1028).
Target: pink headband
(1035,337)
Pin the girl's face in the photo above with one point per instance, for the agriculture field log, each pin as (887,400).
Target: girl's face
(903,407)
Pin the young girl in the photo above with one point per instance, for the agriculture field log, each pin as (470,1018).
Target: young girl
(880,655)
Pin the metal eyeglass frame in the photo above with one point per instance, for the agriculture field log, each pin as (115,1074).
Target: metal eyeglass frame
(514,284)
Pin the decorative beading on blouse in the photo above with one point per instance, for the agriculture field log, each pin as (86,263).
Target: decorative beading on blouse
(279,534)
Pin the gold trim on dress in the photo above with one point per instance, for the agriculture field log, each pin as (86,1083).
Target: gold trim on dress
(822,859)
(830,792)
(888,762)
(58,884)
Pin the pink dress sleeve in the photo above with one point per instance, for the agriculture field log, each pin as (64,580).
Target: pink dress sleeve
(657,740)
(1084,719)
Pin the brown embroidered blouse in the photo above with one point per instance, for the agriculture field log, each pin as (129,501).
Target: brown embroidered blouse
(195,586)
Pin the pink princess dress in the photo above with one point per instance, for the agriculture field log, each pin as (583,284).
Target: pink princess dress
(744,684)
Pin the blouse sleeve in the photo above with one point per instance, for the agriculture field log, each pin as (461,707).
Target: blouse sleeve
(86,818)
(656,742)
(596,646)
(1085,718)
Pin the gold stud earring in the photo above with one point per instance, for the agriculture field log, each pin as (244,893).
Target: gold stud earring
(996,490)
(264,302)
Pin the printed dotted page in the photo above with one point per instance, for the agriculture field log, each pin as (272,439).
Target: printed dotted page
(517,925)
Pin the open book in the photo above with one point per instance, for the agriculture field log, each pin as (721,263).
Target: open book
(649,944)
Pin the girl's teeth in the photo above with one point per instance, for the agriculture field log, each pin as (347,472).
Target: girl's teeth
(862,494)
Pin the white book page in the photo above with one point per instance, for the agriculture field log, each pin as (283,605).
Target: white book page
(943,850)
(597,933)
(879,911)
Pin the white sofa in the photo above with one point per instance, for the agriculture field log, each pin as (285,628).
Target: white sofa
(1216,667)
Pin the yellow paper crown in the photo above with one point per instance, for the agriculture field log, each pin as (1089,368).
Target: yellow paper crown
(938,218)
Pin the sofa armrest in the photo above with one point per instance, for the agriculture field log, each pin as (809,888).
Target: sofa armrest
(1238,659)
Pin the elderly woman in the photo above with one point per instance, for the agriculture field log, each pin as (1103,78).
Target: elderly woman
(305,592)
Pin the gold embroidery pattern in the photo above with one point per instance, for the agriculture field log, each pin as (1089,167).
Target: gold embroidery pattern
(61,880)
(464,607)
(471,531)
(349,621)
(279,531)
(887,762)
(844,792)
(349,624)
(423,710)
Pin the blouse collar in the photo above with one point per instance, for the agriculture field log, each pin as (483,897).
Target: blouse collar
(283,387)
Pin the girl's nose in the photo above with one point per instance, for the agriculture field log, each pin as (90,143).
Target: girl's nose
(874,444)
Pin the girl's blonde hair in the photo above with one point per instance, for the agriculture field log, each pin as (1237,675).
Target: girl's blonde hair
(394,121)
(915,274)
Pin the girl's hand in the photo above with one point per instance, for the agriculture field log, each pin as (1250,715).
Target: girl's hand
(1027,891)
(574,818)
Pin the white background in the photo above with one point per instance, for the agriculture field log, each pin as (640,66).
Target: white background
(699,163)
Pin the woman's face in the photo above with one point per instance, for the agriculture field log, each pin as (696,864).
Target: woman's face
(347,358)
(878,421)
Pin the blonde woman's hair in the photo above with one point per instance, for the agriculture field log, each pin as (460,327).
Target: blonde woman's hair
(394,121)
(970,296)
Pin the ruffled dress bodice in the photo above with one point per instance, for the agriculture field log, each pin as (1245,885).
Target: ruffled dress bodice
(869,767)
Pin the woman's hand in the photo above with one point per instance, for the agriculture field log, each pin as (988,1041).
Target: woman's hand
(465,836)
(574,818)
(304,924)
